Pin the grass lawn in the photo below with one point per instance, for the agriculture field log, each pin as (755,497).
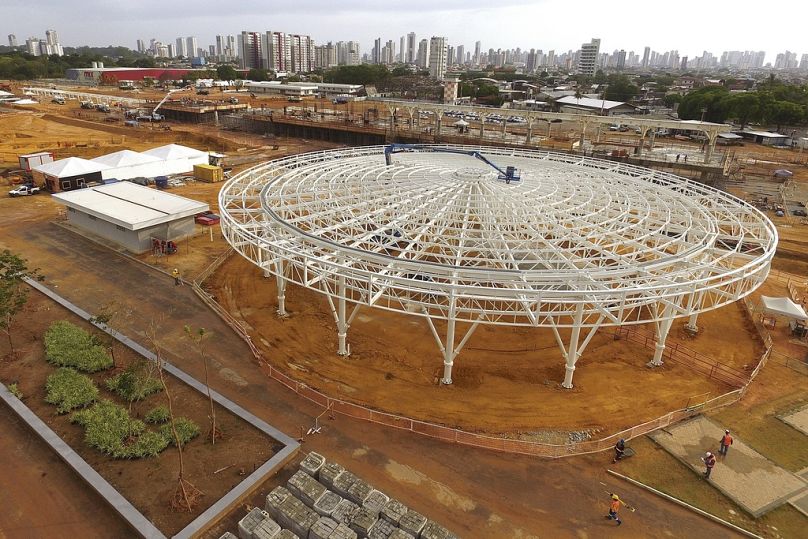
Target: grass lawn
(656,468)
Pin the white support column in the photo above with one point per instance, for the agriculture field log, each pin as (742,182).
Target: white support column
(572,350)
(342,320)
(449,347)
(663,327)
(281,284)
(691,325)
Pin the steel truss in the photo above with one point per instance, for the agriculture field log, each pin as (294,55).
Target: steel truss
(578,244)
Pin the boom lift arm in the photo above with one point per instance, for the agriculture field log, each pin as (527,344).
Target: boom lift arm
(509,174)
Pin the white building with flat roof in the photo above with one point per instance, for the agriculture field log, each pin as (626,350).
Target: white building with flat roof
(131,215)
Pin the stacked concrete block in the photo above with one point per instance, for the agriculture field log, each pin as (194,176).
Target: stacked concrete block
(381,530)
(433,530)
(275,499)
(286,534)
(267,529)
(323,528)
(375,501)
(412,522)
(345,511)
(328,472)
(392,511)
(294,515)
(343,482)
(363,521)
(359,492)
(228,535)
(398,533)
(342,531)
(327,503)
(305,487)
(312,463)
(247,525)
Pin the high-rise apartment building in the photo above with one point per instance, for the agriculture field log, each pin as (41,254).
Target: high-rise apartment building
(12,40)
(460,55)
(412,49)
(437,57)
(276,49)
(422,59)
(191,47)
(325,56)
(646,56)
(588,57)
(250,52)
(621,60)
(181,48)
(301,50)
(141,46)
(402,49)
(32,46)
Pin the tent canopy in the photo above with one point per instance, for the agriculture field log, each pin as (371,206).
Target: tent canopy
(72,166)
(125,158)
(783,307)
(783,172)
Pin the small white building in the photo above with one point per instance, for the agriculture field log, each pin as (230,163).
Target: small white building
(587,105)
(131,215)
(67,174)
(277,88)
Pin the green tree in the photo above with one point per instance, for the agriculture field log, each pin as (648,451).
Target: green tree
(257,75)
(13,290)
(743,107)
(670,99)
(620,88)
(782,113)
(198,338)
(708,101)
(226,72)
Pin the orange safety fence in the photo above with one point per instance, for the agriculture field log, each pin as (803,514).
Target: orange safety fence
(679,354)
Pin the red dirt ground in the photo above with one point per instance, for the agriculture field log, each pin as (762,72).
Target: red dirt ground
(505,380)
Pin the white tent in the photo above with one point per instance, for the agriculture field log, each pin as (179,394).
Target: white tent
(127,164)
(72,166)
(783,307)
(178,159)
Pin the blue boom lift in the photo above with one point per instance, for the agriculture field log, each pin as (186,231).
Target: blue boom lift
(508,175)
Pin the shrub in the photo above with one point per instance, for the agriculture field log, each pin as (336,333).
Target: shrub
(67,345)
(109,429)
(68,390)
(157,415)
(14,390)
(132,386)
(187,430)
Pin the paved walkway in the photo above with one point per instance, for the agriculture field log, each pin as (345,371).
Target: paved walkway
(744,475)
(798,419)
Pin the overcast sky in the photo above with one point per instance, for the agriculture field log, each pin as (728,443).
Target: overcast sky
(690,26)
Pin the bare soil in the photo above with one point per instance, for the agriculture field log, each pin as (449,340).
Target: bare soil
(147,483)
(506,380)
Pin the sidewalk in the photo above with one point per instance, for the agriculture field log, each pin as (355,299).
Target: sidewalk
(744,475)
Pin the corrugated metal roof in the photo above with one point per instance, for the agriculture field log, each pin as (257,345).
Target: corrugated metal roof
(590,103)
(130,205)
(766,134)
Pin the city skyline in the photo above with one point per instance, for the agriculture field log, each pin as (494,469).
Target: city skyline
(539,24)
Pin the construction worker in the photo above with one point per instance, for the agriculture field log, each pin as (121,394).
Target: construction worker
(176,274)
(726,441)
(709,462)
(619,450)
(614,508)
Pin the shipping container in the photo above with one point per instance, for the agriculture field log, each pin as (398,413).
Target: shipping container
(28,161)
(208,173)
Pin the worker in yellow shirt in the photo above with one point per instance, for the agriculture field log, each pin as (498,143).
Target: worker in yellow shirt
(176,274)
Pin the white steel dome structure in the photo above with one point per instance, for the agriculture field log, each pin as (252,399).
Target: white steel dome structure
(574,244)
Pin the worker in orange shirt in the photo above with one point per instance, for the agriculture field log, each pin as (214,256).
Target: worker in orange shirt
(614,508)
(726,441)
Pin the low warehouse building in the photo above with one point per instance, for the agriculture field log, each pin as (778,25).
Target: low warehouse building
(67,174)
(130,215)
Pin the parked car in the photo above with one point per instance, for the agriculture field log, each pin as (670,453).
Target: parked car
(58,100)
(800,213)
(23,190)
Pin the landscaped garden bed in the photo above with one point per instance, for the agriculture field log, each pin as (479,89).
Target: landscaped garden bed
(116,416)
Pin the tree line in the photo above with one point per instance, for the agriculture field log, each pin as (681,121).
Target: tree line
(773,103)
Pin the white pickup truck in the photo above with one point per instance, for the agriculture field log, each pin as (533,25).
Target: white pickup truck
(23,190)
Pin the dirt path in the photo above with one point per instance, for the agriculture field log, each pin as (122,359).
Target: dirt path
(475,493)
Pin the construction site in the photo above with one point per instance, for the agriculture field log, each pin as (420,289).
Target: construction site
(477,434)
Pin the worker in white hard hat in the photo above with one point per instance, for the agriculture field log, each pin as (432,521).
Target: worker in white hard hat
(709,462)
